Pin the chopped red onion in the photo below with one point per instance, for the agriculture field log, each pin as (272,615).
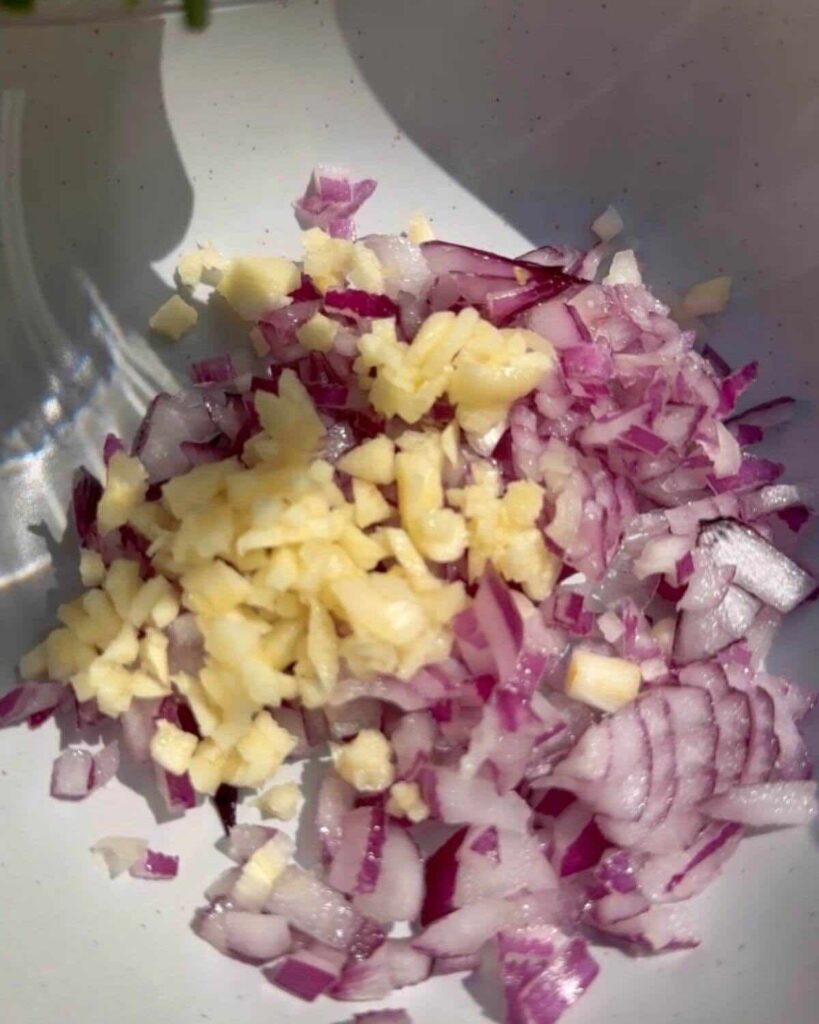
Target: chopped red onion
(765,804)
(244,840)
(404,265)
(405,696)
(77,773)
(412,312)
(654,761)
(306,973)
(734,385)
(305,291)
(216,370)
(658,929)
(335,799)
(464,931)
(397,893)
(440,874)
(577,843)
(412,742)
(445,258)
(85,497)
(331,201)
(701,634)
(753,473)
(458,800)
(624,270)
(678,876)
(220,891)
(177,790)
(750,425)
(225,800)
(111,445)
(499,863)
(707,586)
(170,421)
(316,730)
(502,305)
(356,866)
(356,303)
(230,414)
(456,964)
(138,725)
(28,699)
(186,645)
(87,714)
(106,765)
(120,853)
(278,328)
(563,256)
(313,907)
(779,498)
(155,866)
(758,567)
(349,718)
(554,321)
(500,621)
(200,453)
(395,964)
(254,938)
(543,973)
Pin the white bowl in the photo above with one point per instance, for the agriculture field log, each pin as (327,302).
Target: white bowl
(123,140)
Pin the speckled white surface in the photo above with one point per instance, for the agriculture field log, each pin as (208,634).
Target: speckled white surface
(507,122)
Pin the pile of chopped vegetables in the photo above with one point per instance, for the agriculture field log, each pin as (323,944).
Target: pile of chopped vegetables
(488,531)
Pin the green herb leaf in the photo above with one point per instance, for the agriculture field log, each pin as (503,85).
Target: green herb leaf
(197,13)
(17,5)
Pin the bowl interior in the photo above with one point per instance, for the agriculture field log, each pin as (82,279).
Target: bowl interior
(123,140)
